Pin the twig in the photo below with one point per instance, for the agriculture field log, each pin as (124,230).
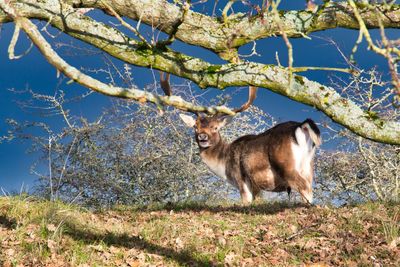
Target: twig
(171,37)
(303,69)
(225,10)
(125,24)
(301,231)
(385,52)
(214,8)
(50,173)
(98,86)
(289,46)
(253,51)
(13,42)
(64,166)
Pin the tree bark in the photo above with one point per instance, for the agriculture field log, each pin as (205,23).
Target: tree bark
(208,32)
(211,33)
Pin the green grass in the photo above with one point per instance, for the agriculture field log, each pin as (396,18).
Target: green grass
(391,228)
(36,232)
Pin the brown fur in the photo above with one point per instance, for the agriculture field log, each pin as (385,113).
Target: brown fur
(261,162)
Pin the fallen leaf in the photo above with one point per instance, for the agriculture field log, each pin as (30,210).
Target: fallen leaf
(10,252)
(221,241)
(133,263)
(179,243)
(114,250)
(230,258)
(316,264)
(51,227)
(394,242)
(97,247)
(52,245)
(118,262)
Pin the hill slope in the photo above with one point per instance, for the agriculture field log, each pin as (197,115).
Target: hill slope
(39,233)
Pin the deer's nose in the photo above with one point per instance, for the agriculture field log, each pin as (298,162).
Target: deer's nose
(203,137)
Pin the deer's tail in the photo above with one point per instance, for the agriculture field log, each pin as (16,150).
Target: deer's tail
(309,126)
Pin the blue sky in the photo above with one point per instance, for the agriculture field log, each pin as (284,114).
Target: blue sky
(33,71)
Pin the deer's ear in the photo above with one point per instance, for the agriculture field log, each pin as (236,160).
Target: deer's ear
(188,120)
(224,120)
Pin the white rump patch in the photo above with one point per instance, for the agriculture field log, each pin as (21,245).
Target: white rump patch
(303,152)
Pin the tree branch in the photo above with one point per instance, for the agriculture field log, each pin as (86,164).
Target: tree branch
(324,98)
(213,34)
(53,58)
(208,32)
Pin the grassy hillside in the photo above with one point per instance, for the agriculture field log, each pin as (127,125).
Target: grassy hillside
(39,233)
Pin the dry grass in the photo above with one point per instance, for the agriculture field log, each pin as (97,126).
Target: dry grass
(41,233)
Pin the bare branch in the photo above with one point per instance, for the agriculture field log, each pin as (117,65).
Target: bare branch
(114,42)
(197,27)
(385,51)
(303,69)
(125,24)
(13,42)
(87,81)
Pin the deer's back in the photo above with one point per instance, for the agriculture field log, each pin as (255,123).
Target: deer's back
(263,157)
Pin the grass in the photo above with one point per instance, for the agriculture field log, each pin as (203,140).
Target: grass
(391,229)
(41,233)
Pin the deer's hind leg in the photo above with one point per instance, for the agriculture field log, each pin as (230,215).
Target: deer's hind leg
(301,185)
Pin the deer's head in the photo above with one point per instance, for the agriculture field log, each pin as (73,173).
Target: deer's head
(206,128)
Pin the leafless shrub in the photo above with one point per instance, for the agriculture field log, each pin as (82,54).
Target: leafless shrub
(359,169)
(130,154)
(136,154)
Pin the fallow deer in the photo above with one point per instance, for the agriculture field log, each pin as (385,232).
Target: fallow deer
(280,159)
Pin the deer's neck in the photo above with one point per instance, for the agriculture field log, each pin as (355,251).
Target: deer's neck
(215,158)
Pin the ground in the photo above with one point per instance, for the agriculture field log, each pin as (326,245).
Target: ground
(41,233)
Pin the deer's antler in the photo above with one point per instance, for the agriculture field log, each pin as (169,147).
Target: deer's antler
(166,87)
(252,96)
(164,82)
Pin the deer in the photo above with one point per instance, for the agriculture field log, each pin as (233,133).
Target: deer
(279,159)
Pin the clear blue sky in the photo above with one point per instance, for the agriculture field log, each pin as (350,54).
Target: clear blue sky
(32,71)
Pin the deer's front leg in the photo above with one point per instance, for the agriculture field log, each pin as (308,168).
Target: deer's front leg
(246,192)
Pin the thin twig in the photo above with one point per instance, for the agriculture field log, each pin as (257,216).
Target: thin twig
(171,37)
(125,24)
(98,86)
(301,231)
(303,69)
(225,10)
(289,46)
(13,42)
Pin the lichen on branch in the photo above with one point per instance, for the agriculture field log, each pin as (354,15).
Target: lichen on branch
(275,78)
(223,34)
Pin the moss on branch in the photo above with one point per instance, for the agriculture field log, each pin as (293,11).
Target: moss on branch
(115,43)
(211,33)
(208,32)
